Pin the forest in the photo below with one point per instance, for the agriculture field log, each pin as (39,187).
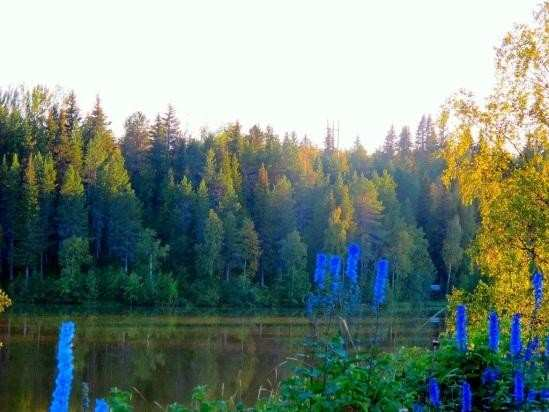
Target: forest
(234,217)
(421,268)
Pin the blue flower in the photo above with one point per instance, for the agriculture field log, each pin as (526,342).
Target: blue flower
(518,387)
(493,332)
(537,283)
(382,272)
(515,345)
(489,376)
(466,398)
(320,270)
(531,349)
(352,263)
(63,381)
(532,395)
(461,327)
(418,407)
(101,405)
(434,392)
(544,395)
(335,267)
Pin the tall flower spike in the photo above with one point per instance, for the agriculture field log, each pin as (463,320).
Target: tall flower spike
(63,381)
(531,348)
(335,266)
(518,387)
(320,270)
(461,328)
(515,345)
(493,332)
(466,398)
(537,283)
(434,392)
(352,263)
(382,272)
(101,405)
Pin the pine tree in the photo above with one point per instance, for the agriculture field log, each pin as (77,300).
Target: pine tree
(421,134)
(404,142)
(11,193)
(171,127)
(72,113)
(46,177)
(28,217)
(96,123)
(389,143)
(72,216)
(136,145)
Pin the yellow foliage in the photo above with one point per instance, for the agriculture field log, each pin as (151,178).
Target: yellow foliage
(5,302)
(498,156)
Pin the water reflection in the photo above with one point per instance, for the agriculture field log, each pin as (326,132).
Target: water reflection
(164,355)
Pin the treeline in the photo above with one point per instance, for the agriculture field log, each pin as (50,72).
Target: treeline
(232,217)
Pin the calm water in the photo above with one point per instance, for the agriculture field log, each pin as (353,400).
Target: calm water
(164,355)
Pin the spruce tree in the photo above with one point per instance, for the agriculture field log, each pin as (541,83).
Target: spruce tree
(28,219)
(72,216)
(46,177)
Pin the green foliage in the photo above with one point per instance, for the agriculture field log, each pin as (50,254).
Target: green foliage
(73,257)
(232,208)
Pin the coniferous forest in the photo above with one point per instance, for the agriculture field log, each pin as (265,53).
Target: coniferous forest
(233,216)
(421,267)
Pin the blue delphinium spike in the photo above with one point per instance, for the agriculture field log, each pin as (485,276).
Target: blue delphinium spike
(461,328)
(518,387)
(493,332)
(531,348)
(515,344)
(489,376)
(537,283)
(101,405)
(544,395)
(418,407)
(63,381)
(532,395)
(320,270)
(352,263)
(466,398)
(434,392)
(382,272)
(335,268)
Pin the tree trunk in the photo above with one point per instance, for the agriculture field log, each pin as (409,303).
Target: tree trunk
(448,283)
(27,274)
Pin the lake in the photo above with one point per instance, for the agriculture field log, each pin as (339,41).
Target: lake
(164,354)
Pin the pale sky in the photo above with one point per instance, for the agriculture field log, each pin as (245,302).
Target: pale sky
(290,64)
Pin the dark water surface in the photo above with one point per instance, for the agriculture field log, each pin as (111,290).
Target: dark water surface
(163,355)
